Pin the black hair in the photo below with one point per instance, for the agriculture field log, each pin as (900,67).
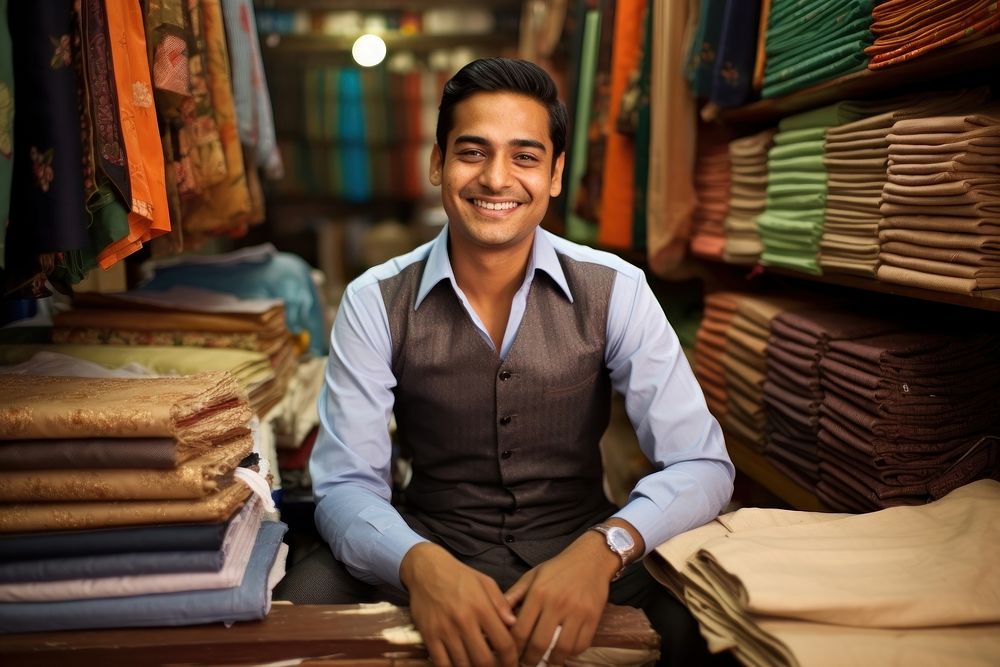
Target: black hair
(497,75)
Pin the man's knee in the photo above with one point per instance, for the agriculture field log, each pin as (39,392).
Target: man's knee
(319,578)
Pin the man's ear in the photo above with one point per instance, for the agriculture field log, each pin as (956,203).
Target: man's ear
(555,185)
(434,174)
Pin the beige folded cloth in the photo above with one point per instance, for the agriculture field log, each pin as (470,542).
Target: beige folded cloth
(836,264)
(970,257)
(941,223)
(899,559)
(954,241)
(987,277)
(35,517)
(197,410)
(938,283)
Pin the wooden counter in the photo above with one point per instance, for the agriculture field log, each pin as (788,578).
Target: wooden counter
(363,635)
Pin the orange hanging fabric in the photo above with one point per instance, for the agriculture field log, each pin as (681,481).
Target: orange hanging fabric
(618,191)
(149,215)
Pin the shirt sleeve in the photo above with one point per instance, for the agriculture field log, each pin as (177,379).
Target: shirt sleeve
(351,463)
(693,475)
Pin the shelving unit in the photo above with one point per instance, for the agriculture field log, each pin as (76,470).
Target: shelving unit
(961,65)
(314,47)
(959,61)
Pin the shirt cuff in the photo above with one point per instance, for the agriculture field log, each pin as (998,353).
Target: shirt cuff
(645,517)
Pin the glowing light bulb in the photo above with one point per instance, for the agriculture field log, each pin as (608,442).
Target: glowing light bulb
(368,50)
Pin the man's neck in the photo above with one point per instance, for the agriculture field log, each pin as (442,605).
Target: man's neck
(489,279)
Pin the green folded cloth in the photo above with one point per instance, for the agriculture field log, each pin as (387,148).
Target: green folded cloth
(798,149)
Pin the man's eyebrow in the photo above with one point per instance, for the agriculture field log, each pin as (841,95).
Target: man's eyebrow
(482,141)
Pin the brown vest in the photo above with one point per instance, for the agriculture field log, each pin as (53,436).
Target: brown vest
(503,452)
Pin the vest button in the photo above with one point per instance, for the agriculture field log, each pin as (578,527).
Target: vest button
(504,420)
(508,539)
(506,454)
(505,375)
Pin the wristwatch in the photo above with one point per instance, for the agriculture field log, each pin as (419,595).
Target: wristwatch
(619,541)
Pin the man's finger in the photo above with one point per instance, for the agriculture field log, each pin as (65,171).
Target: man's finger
(515,594)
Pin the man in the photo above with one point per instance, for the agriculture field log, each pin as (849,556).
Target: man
(497,346)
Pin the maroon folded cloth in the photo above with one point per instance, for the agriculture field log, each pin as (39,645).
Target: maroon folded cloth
(799,409)
(836,498)
(803,472)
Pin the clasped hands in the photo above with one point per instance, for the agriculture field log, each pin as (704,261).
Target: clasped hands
(465,619)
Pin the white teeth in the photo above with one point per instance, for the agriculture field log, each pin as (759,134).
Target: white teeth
(490,206)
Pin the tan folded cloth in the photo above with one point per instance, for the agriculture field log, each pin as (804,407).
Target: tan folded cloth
(941,223)
(197,410)
(986,277)
(945,168)
(953,241)
(835,264)
(195,478)
(970,257)
(938,283)
(35,517)
(799,573)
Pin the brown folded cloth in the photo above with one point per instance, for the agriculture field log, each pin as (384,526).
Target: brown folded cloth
(984,278)
(920,197)
(803,358)
(869,204)
(36,517)
(964,179)
(801,471)
(921,357)
(946,168)
(893,462)
(853,245)
(849,165)
(738,352)
(969,159)
(950,128)
(935,282)
(968,257)
(895,474)
(940,223)
(950,188)
(196,478)
(865,141)
(58,454)
(799,409)
(957,241)
(196,411)
(863,268)
(836,498)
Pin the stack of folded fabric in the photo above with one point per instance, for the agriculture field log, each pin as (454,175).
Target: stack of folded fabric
(210,320)
(907,29)
(745,367)
(252,369)
(711,183)
(792,224)
(772,587)
(296,415)
(941,204)
(747,196)
(87,460)
(856,156)
(810,42)
(907,417)
(709,347)
(792,391)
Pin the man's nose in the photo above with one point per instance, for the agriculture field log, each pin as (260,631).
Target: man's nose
(496,174)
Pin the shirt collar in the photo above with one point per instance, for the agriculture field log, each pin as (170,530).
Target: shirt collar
(543,257)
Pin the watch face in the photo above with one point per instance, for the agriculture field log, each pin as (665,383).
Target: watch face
(620,540)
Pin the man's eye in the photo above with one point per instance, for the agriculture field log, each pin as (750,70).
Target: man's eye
(472,153)
(526,157)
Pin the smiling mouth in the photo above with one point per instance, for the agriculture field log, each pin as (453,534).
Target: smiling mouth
(495,206)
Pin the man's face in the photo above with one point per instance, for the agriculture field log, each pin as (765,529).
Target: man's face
(497,173)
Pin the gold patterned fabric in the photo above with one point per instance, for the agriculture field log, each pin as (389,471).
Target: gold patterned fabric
(199,411)
(35,517)
(196,478)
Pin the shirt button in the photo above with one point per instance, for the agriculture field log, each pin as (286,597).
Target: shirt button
(505,375)
(504,421)
(506,454)
(508,539)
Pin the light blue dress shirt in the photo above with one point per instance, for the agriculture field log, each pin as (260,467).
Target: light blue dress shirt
(351,466)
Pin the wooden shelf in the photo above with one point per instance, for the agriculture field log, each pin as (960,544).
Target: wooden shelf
(297,46)
(756,467)
(980,55)
(381,5)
